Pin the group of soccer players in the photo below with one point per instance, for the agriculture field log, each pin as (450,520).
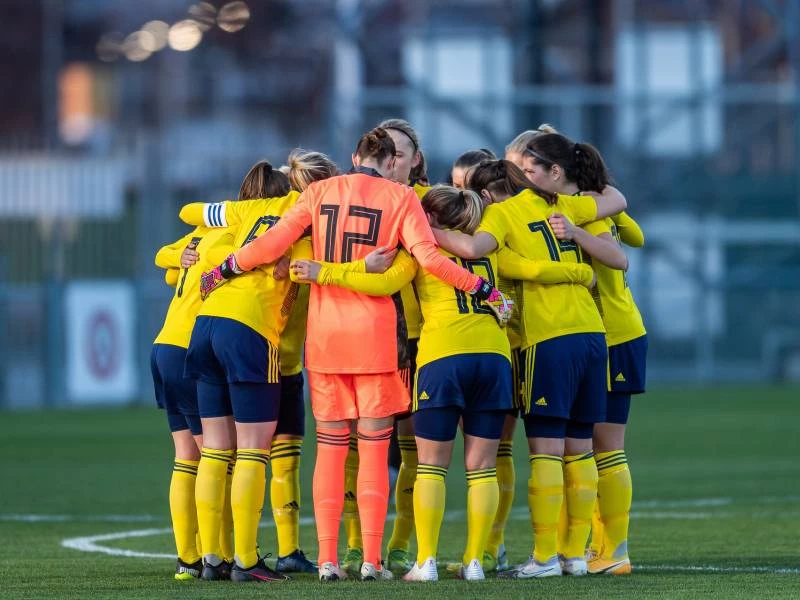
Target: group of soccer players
(421,310)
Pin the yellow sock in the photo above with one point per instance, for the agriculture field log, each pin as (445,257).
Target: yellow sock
(404,494)
(284,493)
(183,510)
(545,496)
(615,492)
(247,502)
(580,490)
(483,496)
(506,480)
(429,497)
(596,543)
(210,498)
(352,522)
(226,527)
(563,529)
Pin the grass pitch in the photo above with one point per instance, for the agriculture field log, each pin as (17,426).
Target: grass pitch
(716,507)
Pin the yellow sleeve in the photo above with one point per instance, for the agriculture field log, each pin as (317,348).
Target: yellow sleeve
(400,274)
(211,214)
(302,249)
(171,276)
(169,256)
(628,230)
(598,227)
(494,224)
(579,209)
(513,266)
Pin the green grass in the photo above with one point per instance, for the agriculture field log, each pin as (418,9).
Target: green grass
(715,471)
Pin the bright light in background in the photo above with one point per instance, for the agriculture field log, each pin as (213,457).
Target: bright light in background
(76,103)
(159,30)
(184,35)
(109,47)
(233,16)
(205,14)
(137,46)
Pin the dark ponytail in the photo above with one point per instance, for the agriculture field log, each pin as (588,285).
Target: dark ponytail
(582,163)
(419,174)
(262,181)
(470,158)
(375,144)
(504,177)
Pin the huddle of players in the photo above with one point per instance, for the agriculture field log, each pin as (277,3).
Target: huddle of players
(513,223)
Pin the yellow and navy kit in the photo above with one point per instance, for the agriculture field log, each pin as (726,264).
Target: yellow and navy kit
(256,298)
(621,317)
(213,245)
(411,309)
(455,322)
(294,334)
(521,223)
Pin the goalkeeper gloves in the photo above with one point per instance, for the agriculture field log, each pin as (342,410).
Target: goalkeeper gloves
(501,306)
(217,276)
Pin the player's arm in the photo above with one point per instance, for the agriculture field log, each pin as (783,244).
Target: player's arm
(595,239)
(354,276)
(169,256)
(514,266)
(210,214)
(629,231)
(592,206)
(417,237)
(171,276)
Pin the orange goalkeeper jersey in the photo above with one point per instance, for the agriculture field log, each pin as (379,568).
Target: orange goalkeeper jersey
(350,215)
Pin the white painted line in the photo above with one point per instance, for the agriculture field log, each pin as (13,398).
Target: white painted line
(713,569)
(87,518)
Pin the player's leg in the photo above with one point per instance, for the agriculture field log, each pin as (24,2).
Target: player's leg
(219,442)
(482,432)
(627,369)
(285,480)
(166,372)
(334,408)
(436,431)
(354,554)
(550,384)
(496,557)
(398,556)
(397,548)
(378,398)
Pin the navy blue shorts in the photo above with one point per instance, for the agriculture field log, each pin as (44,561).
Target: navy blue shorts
(627,366)
(566,377)
(473,382)
(227,351)
(618,407)
(176,394)
(440,424)
(292,414)
(246,402)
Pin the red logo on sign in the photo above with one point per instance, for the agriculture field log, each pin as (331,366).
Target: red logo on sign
(102,345)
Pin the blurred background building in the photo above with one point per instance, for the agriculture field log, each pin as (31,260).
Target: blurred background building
(115,113)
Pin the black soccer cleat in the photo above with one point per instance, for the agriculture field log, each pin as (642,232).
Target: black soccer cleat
(187,571)
(258,572)
(296,562)
(221,572)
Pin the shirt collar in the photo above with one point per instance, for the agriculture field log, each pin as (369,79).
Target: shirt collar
(365,171)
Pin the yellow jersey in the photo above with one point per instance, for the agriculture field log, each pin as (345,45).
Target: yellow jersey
(521,223)
(455,322)
(294,334)
(411,309)
(213,245)
(255,298)
(613,297)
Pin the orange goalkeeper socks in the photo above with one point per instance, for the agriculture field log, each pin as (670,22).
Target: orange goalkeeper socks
(328,487)
(373,489)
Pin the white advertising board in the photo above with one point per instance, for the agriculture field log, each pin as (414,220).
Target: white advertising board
(101,364)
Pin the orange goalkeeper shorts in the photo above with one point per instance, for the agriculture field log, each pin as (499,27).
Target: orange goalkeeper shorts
(344,396)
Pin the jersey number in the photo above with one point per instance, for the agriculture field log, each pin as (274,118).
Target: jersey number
(554,246)
(461,297)
(268,220)
(349,239)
